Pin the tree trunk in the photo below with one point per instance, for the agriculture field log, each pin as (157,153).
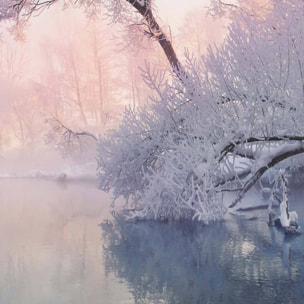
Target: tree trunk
(155,31)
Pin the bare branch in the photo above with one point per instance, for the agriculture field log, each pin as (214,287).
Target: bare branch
(67,140)
(74,133)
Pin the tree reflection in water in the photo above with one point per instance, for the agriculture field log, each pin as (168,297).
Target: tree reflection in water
(236,261)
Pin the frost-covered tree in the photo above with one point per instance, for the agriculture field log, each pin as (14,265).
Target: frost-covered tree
(7,10)
(219,125)
(236,113)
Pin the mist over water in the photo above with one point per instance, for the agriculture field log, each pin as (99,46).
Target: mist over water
(51,247)
(61,244)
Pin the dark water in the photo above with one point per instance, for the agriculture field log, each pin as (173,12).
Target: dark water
(60,244)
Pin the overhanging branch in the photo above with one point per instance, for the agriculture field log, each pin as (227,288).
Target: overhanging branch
(286,153)
(231,146)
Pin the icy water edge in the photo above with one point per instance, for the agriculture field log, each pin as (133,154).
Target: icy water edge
(60,244)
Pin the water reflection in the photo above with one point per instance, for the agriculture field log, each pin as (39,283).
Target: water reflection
(52,250)
(50,246)
(236,261)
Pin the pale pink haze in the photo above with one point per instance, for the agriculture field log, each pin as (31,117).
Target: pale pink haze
(173,12)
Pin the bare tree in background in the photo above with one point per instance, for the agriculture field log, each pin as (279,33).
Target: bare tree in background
(199,30)
(17,102)
(119,10)
(78,83)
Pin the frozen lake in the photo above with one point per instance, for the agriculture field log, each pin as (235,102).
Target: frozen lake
(60,244)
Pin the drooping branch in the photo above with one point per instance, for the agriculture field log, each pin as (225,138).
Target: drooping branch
(66,140)
(282,154)
(69,132)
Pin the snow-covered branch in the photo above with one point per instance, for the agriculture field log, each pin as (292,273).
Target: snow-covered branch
(235,146)
(266,162)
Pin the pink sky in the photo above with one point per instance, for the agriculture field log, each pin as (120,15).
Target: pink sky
(173,12)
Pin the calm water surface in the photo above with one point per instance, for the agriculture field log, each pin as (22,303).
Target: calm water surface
(60,244)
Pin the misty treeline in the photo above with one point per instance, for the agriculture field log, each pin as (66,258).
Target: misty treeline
(63,67)
(69,76)
(220,122)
